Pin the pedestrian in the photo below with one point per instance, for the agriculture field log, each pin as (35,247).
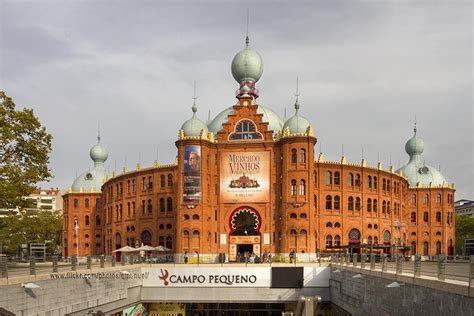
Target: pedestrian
(264,256)
(185,257)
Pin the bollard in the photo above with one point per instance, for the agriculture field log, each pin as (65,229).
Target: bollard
(471,271)
(89,262)
(417,270)
(3,267)
(384,263)
(113,261)
(441,267)
(122,260)
(363,260)
(55,264)
(348,259)
(372,261)
(32,266)
(132,259)
(399,264)
(73,263)
(102,261)
(354,259)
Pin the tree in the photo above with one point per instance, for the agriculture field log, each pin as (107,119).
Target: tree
(21,228)
(25,146)
(464,230)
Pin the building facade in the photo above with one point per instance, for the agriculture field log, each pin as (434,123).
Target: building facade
(40,200)
(464,207)
(249,181)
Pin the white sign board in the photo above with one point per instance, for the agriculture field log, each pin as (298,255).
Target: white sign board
(223,239)
(207,277)
(266,239)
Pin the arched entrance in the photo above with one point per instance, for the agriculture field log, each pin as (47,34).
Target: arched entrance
(245,223)
(354,240)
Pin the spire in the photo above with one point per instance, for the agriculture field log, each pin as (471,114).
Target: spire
(98,132)
(247,34)
(414,129)
(194,107)
(297,105)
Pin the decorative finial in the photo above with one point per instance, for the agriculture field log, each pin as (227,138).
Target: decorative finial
(194,108)
(415,125)
(247,34)
(297,105)
(98,132)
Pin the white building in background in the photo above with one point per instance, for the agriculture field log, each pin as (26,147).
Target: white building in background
(40,200)
(464,207)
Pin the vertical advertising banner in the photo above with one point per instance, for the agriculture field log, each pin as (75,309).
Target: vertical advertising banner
(245,177)
(192,174)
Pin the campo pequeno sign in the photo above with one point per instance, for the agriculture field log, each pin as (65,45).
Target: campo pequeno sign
(207,277)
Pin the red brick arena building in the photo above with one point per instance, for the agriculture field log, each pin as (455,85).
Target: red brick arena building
(248,181)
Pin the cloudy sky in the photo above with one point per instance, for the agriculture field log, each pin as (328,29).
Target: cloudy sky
(366,68)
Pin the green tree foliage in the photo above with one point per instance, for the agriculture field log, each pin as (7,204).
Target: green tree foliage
(24,153)
(21,228)
(464,230)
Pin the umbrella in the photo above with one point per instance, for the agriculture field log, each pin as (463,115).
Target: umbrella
(126,249)
(146,248)
(162,249)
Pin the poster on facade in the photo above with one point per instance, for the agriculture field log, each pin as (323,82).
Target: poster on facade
(135,310)
(245,177)
(192,174)
(167,309)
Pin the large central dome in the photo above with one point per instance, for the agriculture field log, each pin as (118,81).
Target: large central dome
(274,122)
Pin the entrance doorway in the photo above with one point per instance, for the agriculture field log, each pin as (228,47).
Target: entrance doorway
(243,248)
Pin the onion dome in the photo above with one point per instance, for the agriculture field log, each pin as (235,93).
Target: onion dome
(416,170)
(194,125)
(92,180)
(297,124)
(247,68)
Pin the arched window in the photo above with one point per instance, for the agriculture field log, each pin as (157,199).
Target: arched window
(413,217)
(413,247)
(425,249)
(425,199)
(376,206)
(337,202)
(438,217)
(369,226)
(315,197)
(162,205)
(97,220)
(162,181)
(128,209)
(337,225)
(350,180)
(293,187)
(388,207)
(438,199)
(86,203)
(169,204)
(369,205)
(244,130)
(369,240)
(388,185)
(328,178)
(170,180)
(303,216)
(357,180)
(438,248)
(161,241)
(186,233)
(302,187)
(302,155)
(328,241)
(87,220)
(337,178)
(425,217)
(195,217)
(350,203)
(337,240)
(162,226)
(329,225)
(294,158)
(369,182)
(354,234)
(146,237)
(150,207)
(328,202)
(169,242)
(376,240)
(413,199)
(303,232)
(169,226)
(196,233)
(186,217)
(375,182)
(357,204)
(376,226)
(76,203)
(293,232)
(293,215)
(384,207)
(384,185)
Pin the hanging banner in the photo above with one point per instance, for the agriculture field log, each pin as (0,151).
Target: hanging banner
(167,309)
(192,174)
(245,177)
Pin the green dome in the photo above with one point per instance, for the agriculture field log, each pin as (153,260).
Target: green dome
(416,170)
(275,124)
(92,180)
(193,126)
(247,65)
(297,124)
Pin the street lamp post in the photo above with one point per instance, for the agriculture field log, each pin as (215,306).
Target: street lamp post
(76,229)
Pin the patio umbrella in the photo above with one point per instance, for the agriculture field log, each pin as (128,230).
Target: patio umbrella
(162,249)
(126,249)
(146,248)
